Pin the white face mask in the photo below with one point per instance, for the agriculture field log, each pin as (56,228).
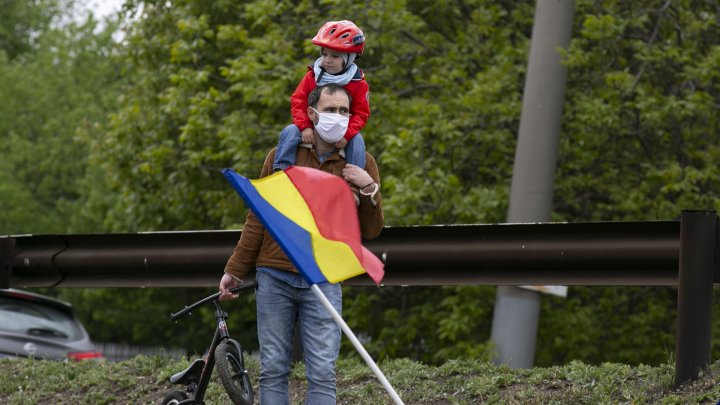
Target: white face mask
(331,126)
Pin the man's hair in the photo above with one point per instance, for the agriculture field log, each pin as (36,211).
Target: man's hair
(330,89)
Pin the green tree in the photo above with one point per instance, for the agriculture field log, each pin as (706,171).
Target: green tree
(21,21)
(63,85)
(642,89)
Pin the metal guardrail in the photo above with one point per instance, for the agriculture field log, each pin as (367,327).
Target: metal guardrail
(682,253)
(600,253)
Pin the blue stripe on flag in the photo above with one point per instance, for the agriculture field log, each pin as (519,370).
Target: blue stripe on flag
(293,240)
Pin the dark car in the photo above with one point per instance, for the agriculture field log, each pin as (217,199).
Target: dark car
(33,325)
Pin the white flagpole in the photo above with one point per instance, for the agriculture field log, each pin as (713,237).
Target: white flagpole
(358,346)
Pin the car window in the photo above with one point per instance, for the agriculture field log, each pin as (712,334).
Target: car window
(35,319)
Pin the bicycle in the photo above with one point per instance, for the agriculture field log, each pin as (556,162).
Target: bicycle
(225,354)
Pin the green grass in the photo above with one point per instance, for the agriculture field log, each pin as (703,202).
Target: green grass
(144,380)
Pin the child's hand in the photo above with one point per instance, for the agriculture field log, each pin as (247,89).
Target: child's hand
(340,144)
(357,176)
(308,136)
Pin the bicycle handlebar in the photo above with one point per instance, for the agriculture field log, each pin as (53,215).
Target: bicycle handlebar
(186,311)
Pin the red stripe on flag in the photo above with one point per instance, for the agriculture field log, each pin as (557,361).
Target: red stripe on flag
(331,203)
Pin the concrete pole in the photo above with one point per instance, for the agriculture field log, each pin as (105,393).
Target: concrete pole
(516,313)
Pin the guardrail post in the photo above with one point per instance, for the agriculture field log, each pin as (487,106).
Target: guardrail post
(7,255)
(698,244)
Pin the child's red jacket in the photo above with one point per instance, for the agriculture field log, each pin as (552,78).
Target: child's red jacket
(359,108)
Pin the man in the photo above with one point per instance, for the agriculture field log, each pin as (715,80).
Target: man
(282,295)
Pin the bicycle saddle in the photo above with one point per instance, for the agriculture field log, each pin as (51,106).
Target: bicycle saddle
(190,374)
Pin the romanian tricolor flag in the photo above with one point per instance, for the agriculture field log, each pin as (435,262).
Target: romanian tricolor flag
(312,215)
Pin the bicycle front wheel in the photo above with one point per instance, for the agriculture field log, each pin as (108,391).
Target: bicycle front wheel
(234,377)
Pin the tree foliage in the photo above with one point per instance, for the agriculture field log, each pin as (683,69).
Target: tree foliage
(21,21)
(643,89)
(60,84)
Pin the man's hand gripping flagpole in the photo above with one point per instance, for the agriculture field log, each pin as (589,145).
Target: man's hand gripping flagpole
(309,214)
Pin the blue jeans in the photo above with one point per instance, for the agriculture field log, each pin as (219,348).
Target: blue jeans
(291,138)
(280,298)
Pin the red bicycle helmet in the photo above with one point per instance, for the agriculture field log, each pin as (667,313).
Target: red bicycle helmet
(342,36)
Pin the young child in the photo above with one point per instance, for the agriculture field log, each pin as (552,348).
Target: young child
(341,43)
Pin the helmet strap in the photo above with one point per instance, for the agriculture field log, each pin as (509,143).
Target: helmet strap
(322,73)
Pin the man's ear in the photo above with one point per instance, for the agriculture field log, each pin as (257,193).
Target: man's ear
(311,114)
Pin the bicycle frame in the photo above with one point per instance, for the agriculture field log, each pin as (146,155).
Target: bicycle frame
(221,334)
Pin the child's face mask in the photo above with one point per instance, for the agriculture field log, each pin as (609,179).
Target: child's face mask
(331,126)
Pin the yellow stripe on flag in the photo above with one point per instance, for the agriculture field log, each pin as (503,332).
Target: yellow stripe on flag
(278,190)
(335,259)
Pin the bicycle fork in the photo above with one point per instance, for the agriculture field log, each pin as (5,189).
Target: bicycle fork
(221,333)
